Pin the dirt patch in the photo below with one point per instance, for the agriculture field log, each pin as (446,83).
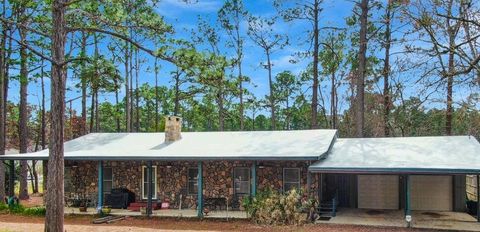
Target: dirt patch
(82,223)
(34,200)
(375,212)
(433,214)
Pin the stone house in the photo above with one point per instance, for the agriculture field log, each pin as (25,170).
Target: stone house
(193,169)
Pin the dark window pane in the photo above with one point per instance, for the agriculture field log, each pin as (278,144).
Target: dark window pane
(145,172)
(292,175)
(107,186)
(192,187)
(192,174)
(107,174)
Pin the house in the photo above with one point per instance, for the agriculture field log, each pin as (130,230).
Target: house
(191,169)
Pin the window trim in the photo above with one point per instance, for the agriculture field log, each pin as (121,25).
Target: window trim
(154,197)
(112,180)
(249,181)
(188,181)
(299,182)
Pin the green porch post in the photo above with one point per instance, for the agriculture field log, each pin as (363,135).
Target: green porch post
(100,187)
(254,179)
(149,188)
(408,213)
(200,190)
(11,179)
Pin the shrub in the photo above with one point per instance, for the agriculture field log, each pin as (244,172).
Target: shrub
(22,210)
(272,208)
(34,211)
(3,207)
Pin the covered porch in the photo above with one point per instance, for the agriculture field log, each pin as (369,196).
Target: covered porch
(174,213)
(437,220)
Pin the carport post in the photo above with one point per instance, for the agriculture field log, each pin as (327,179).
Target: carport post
(200,190)
(100,187)
(478,198)
(408,215)
(149,188)
(254,179)
(11,179)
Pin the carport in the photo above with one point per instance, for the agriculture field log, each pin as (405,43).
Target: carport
(421,174)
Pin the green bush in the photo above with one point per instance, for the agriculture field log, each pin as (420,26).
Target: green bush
(22,210)
(3,207)
(273,208)
(34,211)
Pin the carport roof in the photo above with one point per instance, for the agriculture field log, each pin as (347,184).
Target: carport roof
(427,155)
(247,145)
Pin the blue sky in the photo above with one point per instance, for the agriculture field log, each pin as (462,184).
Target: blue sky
(184,18)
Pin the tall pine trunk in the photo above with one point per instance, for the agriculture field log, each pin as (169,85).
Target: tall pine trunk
(386,71)
(23,119)
(157,118)
(271,97)
(362,69)
(127,91)
(84,84)
(3,40)
(55,194)
(314,121)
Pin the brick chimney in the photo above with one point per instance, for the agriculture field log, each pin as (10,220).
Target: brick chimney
(173,128)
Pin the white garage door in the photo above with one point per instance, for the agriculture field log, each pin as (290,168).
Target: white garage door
(378,191)
(431,193)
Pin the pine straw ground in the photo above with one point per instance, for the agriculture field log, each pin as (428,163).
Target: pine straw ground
(10,223)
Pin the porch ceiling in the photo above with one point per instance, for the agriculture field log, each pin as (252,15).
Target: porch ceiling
(252,145)
(415,155)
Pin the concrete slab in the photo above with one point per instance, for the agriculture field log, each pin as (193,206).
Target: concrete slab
(453,221)
(186,213)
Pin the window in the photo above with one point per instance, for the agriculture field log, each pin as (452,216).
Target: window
(107,180)
(291,179)
(145,182)
(192,186)
(241,177)
(67,184)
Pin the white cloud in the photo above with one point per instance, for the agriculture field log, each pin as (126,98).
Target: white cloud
(174,8)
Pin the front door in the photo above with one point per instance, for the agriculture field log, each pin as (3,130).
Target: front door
(145,182)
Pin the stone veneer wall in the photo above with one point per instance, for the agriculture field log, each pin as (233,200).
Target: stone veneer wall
(172,178)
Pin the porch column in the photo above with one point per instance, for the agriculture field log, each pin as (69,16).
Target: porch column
(100,187)
(200,190)
(254,179)
(408,213)
(478,198)
(149,188)
(11,179)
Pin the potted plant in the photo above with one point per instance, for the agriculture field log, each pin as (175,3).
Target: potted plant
(106,210)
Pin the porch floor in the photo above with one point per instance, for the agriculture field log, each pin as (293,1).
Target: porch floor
(186,213)
(420,219)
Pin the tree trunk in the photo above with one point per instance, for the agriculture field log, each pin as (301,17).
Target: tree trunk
(2,102)
(176,100)
(84,84)
(386,72)
(157,118)
(54,197)
(127,91)
(131,88)
(137,94)
(451,70)
(92,111)
(362,68)
(23,119)
(333,102)
(117,110)
(43,128)
(271,97)
(314,122)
